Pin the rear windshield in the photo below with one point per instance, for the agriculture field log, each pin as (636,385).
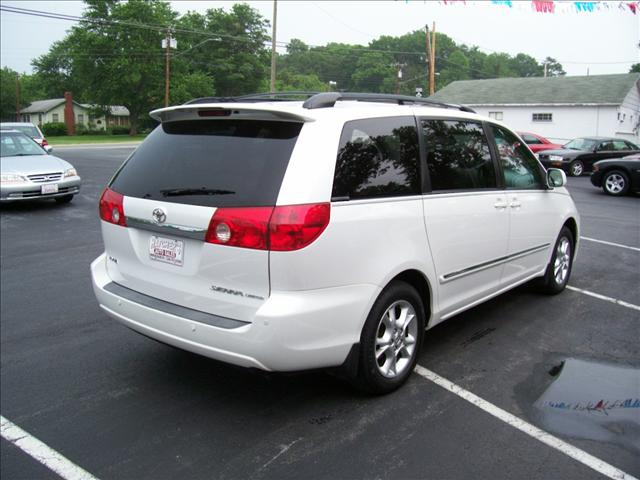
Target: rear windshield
(212,163)
(27,129)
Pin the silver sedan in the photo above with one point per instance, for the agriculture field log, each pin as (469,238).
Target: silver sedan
(27,172)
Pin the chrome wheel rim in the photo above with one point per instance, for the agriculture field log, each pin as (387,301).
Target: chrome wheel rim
(576,169)
(396,339)
(562,261)
(614,183)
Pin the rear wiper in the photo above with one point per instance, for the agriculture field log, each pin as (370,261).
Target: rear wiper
(179,192)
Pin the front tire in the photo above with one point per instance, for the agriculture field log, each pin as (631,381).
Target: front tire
(615,183)
(576,168)
(558,271)
(391,339)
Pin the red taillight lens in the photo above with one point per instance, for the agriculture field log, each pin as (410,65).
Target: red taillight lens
(44,142)
(294,227)
(111,207)
(240,227)
(269,228)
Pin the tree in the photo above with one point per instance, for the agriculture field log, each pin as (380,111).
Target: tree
(231,48)
(497,65)
(29,91)
(554,69)
(524,65)
(635,68)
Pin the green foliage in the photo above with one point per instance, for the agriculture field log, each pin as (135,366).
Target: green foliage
(635,68)
(288,81)
(54,129)
(7,94)
(118,131)
(554,69)
(191,85)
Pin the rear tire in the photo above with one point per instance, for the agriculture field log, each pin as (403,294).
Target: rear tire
(576,168)
(615,183)
(558,271)
(64,199)
(391,339)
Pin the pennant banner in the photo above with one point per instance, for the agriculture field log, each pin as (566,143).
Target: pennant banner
(550,6)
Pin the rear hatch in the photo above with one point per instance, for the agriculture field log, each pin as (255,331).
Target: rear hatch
(171,187)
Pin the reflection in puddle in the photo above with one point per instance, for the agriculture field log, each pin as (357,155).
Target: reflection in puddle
(594,401)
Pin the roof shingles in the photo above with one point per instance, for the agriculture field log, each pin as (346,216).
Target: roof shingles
(594,89)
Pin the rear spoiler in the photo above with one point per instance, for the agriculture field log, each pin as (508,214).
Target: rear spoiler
(237,111)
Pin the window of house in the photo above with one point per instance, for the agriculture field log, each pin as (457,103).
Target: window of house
(542,117)
(495,115)
(378,157)
(458,156)
(54,117)
(519,166)
(80,118)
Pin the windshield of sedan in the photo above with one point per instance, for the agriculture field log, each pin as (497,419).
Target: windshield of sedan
(18,145)
(580,144)
(27,129)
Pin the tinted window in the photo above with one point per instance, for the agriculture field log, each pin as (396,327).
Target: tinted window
(620,145)
(377,158)
(458,155)
(631,146)
(217,163)
(520,168)
(530,139)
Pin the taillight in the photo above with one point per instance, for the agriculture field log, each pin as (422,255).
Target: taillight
(295,226)
(44,142)
(240,227)
(282,228)
(111,207)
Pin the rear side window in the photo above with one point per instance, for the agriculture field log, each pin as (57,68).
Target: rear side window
(377,157)
(212,163)
(458,156)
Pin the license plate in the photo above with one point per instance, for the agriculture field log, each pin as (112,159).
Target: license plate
(50,188)
(166,250)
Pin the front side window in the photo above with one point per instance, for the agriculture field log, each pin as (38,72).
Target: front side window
(620,145)
(378,157)
(519,166)
(458,156)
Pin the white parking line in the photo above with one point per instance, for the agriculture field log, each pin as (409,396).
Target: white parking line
(41,452)
(534,432)
(622,303)
(635,249)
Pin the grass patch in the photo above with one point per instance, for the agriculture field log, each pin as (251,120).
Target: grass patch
(80,139)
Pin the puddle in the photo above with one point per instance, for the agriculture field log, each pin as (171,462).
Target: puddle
(594,401)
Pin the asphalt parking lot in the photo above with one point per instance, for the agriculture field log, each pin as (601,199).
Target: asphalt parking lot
(121,406)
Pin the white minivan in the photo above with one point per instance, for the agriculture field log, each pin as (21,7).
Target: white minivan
(291,235)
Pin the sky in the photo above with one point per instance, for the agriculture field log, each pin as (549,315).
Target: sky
(605,41)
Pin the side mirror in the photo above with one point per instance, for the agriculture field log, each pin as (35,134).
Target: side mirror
(48,149)
(556,178)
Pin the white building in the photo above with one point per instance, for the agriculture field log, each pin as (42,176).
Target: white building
(559,108)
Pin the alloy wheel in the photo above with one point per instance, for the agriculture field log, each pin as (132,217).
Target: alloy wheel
(562,261)
(614,183)
(396,339)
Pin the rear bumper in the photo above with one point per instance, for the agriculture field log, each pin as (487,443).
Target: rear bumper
(290,331)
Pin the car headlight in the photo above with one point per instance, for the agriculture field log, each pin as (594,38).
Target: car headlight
(555,158)
(11,178)
(71,172)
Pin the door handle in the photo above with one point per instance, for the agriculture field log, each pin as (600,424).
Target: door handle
(500,205)
(515,203)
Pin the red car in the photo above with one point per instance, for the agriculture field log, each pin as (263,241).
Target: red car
(537,143)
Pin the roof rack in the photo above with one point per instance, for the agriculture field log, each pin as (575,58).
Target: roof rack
(257,97)
(328,99)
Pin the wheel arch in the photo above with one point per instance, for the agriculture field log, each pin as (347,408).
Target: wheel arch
(419,281)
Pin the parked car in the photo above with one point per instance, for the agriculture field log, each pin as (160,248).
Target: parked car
(579,155)
(28,129)
(538,143)
(617,176)
(27,172)
(288,236)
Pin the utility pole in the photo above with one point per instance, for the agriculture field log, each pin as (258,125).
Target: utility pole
(166,68)
(545,69)
(428,48)
(432,63)
(17,97)
(273,46)
(399,76)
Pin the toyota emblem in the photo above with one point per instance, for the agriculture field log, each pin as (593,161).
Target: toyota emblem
(159,215)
